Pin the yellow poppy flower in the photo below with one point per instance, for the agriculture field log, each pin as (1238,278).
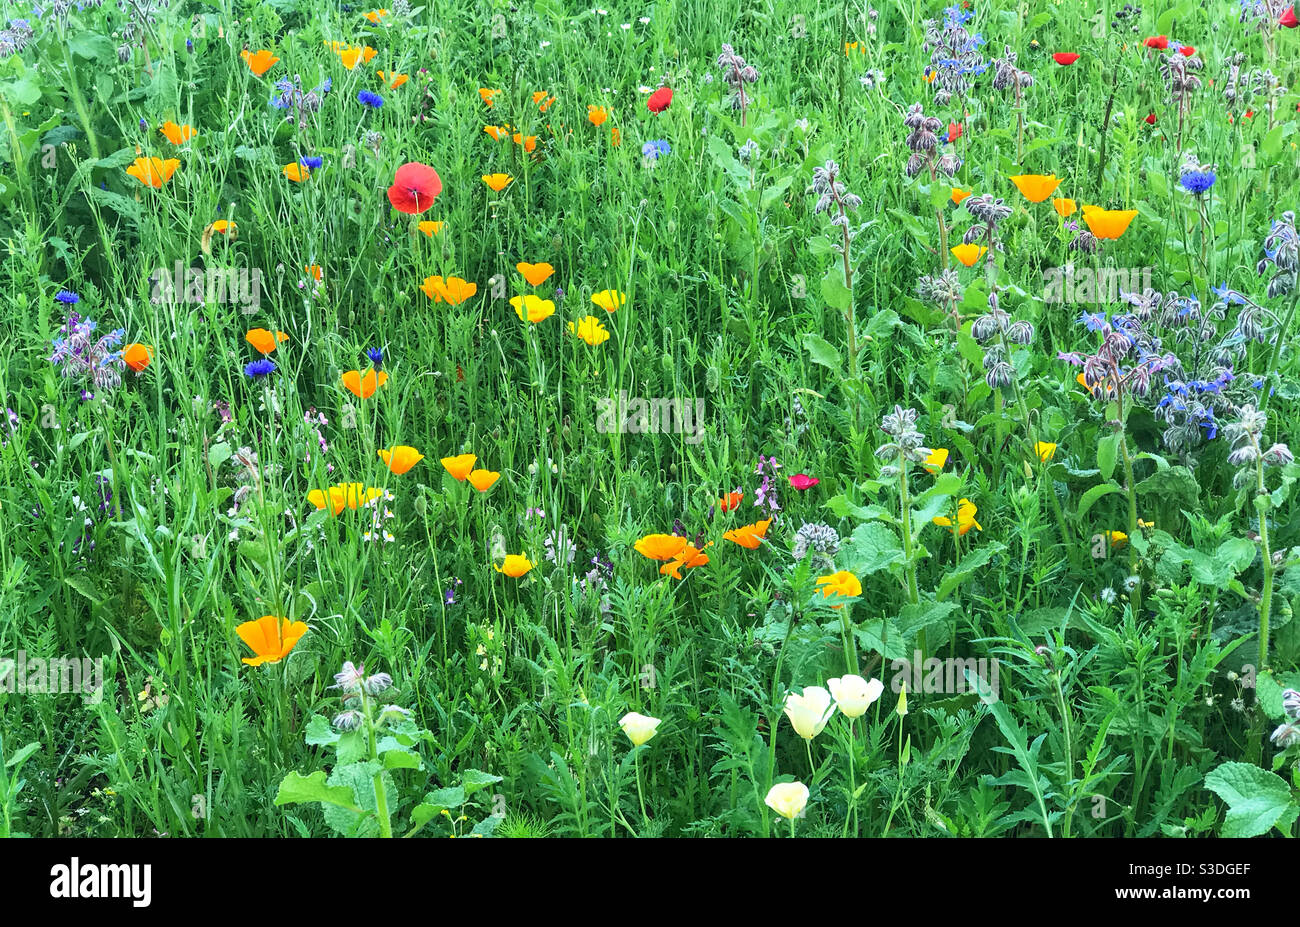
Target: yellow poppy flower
(497,182)
(534,308)
(590,330)
(842,583)
(1064,207)
(937,459)
(1044,450)
(515,566)
(966,512)
(609,300)
(431,228)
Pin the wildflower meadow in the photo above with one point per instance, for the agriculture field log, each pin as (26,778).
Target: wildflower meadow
(676,419)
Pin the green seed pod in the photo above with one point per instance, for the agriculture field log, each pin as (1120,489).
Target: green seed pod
(712,378)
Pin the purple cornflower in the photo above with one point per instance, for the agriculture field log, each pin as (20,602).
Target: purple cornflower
(449,596)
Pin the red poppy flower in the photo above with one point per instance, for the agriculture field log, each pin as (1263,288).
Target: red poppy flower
(802,481)
(414,188)
(659,100)
(730,501)
(1288,18)
(1187,50)
(1064,58)
(1151,119)
(1157,41)
(955,131)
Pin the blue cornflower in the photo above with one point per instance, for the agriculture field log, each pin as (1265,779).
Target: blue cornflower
(1197,182)
(655,149)
(67,297)
(189,45)
(312,163)
(143,124)
(376,356)
(259,368)
(370,98)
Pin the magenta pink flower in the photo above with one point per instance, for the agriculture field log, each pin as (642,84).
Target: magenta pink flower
(802,481)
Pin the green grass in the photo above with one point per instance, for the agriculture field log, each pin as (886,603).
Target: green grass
(1115,701)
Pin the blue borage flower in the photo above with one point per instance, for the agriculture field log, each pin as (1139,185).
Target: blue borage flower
(655,149)
(370,98)
(1197,182)
(259,368)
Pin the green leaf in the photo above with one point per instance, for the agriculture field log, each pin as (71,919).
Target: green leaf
(1107,448)
(968,565)
(872,548)
(474,779)
(1095,493)
(822,351)
(836,294)
(298,788)
(1256,799)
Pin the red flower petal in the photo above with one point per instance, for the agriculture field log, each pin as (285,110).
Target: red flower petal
(414,188)
(659,100)
(802,481)
(1065,57)
(1288,18)
(1157,41)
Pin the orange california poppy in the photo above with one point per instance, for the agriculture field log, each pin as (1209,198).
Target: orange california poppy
(660,546)
(270,637)
(482,480)
(344,495)
(958,195)
(1036,187)
(401,458)
(596,115)
(1063,206)
(1108,223)
(177,135)
(689,558)
(750,536)
(264,340)
(295,172)
(489,96)
(535,274)
(315,270)
(137,356)
(431,228)
(459,467)
(375,15)
(968,254)
(529,143)
(936,460)
(497,182)
(393,80)
(153,172)
(842,583)
(258,62)
(497,132)
(365,385)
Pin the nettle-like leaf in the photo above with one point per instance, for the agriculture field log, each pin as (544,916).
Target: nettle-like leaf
(1257,799)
